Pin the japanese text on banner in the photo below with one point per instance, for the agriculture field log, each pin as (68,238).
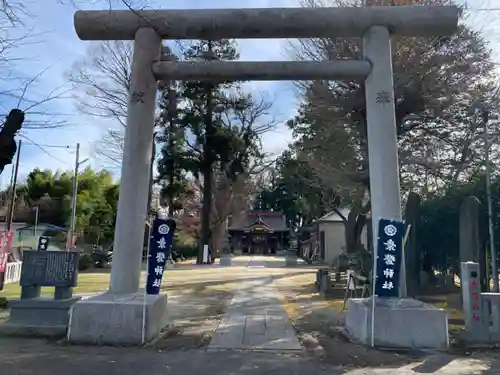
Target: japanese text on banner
(159,251)
(389,256)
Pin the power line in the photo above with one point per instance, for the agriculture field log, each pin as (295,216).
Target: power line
(42,149)
(49,146)
(481,9)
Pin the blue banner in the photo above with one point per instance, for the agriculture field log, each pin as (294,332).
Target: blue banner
(389,256)
(160,244)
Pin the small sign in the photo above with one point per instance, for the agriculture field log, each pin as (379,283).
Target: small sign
(389,257)
(49,268)
(351,284)
(43,243)
(160,244)
(205,254)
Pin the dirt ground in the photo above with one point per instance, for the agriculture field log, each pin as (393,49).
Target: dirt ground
(319,324)
(198,298)
(193,323)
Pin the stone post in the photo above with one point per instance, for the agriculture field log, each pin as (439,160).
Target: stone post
(382,135)
(469,238)
(134,185)
(476,321)
(469,230)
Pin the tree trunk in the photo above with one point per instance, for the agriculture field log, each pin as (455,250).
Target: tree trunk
(207,178)
(171,174)
(205,211)
(412,255)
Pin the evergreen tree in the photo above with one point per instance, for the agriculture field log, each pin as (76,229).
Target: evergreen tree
(214,127)
(172,167)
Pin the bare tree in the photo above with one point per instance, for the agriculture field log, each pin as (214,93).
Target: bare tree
(232,197)
(246,119)
(22,89)
(102,81)
(436,80)
(31,110)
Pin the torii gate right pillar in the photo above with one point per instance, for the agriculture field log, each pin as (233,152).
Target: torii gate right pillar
(390,322)
(383,157)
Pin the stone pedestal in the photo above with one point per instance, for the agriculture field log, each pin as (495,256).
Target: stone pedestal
(291,261)
(43,317)
(325,287)
(225,260)
(117,319)
(291,258)
(399,323)
(169,264)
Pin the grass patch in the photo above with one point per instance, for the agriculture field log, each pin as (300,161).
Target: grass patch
(91,282)
(455,315)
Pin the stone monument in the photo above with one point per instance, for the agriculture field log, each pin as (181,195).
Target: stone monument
(42,316)
(226,257)
(117,309)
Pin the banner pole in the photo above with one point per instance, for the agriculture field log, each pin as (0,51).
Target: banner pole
(374,280)
(404,292)
(143,329)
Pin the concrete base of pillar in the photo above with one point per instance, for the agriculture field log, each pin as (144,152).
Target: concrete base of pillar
(117,319)
(399,323)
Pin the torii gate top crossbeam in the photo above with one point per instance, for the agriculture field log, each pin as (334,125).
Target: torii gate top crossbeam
(267,23)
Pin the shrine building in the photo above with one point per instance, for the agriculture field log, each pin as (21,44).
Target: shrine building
(259,232)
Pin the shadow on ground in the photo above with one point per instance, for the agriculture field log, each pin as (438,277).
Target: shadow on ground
(201,286)
(196,309)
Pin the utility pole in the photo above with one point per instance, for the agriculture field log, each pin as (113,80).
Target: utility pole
(37,208)
(10,217)
(491,227)
(71,234)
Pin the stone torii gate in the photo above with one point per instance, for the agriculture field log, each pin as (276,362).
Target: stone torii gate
(116,316)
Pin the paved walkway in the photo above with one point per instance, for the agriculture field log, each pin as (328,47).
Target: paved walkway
(255,319)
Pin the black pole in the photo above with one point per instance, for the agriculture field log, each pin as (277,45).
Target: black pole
(10,217)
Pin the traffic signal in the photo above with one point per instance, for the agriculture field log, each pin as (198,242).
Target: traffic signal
(8,146)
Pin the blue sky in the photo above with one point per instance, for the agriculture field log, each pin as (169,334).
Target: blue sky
(58,48)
